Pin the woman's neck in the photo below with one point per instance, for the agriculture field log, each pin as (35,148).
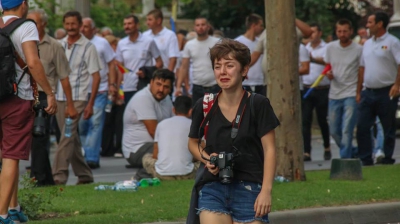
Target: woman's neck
(231,97)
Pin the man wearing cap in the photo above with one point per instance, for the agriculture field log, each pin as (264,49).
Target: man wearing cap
(16,114)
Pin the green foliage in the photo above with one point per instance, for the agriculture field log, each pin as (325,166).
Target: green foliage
(36,201)
(55,21)
(113,17)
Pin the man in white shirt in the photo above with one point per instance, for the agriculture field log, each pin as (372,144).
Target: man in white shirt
(379,73)
(304,64)
(144,111)
(134,51)
(90,130)
(318,99)
(85,63)
(171,158)
(165,39)
(255,76)
(16,114)
(198,50)
(344,57)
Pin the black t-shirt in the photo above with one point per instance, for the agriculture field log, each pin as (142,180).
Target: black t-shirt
(249,165)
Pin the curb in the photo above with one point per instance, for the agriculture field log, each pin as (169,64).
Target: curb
(352,214)
(388,213)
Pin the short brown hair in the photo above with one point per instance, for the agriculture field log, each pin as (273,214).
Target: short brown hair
(157,13)
(344,22)
(230,49)
(252,19)
(75,14)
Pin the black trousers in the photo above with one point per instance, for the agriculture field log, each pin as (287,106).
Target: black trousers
(113,128)
(319,100)
(40,162)
(262,89)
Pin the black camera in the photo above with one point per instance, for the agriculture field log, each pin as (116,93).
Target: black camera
(225,163)
(39,124)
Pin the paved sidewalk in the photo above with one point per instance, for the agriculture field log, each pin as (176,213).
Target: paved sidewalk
(379,213)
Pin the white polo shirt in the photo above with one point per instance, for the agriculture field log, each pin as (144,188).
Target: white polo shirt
(255,76)
(380,57)
(141,107)
(199,52)
(167,43)
(83,61)
(106,55)
(134,55)
(304,56)
(316,69)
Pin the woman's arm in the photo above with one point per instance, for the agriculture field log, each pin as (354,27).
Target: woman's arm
(262,206)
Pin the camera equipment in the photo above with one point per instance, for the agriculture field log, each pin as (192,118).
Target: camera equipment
(225,163)
(39,124)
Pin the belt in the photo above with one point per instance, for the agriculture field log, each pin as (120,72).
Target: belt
(317,87)
(386,88)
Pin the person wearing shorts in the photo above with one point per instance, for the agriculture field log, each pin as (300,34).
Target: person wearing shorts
(16,112)
(247,196)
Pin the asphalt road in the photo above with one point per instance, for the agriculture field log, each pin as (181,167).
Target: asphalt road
(113,169)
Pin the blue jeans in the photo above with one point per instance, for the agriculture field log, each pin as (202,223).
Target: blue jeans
(342,120)
(235,199)
(376,102)
(90,131)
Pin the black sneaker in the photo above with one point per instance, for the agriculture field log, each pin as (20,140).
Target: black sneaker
(327,155)
(306,158)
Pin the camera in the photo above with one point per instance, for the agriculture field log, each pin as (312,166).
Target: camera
(39,124)
(225,163)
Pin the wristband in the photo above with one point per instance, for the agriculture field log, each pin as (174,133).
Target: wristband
(113,84)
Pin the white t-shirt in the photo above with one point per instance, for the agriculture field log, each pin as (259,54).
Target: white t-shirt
(199,52)
(134,55)
(255,76)
(304,56)
(24,33)
(106,55)
(380,58)
(345,64)
(316,69)
(167,43)
(174,157)
(141,107)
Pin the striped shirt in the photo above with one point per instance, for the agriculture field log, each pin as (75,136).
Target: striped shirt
(83,61)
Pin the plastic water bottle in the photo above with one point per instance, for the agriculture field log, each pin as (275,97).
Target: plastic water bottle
(68,127)
(281,179)
(127,185)
(145,182)
(103,187)
(109,103)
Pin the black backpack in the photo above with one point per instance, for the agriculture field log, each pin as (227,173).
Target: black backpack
(8,73)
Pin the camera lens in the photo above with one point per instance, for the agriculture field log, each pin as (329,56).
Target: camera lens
(226,176)
(39,123)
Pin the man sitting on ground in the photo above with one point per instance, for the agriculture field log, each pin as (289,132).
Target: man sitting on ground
(147,107)
(171,158)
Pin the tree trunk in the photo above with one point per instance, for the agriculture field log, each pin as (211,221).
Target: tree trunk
(283,86)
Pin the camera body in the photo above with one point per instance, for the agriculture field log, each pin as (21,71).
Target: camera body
(39,124)
(224,161)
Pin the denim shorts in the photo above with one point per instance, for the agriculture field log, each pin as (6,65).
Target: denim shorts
(235,199)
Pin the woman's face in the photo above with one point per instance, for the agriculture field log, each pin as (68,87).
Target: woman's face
(229,73)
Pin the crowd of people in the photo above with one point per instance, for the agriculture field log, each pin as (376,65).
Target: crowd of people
(155,85)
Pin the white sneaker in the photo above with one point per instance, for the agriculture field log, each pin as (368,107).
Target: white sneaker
(118,155)
(379,155)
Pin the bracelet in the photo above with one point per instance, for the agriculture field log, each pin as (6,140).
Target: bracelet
(52,93)
(114,84)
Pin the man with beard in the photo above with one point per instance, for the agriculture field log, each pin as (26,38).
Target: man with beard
(84,63)
(255,76)
(344,57)
(16,114)
(379,73)
(144,111)
(198,50)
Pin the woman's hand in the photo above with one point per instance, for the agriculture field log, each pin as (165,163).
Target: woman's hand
(211,167)
(262,206)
